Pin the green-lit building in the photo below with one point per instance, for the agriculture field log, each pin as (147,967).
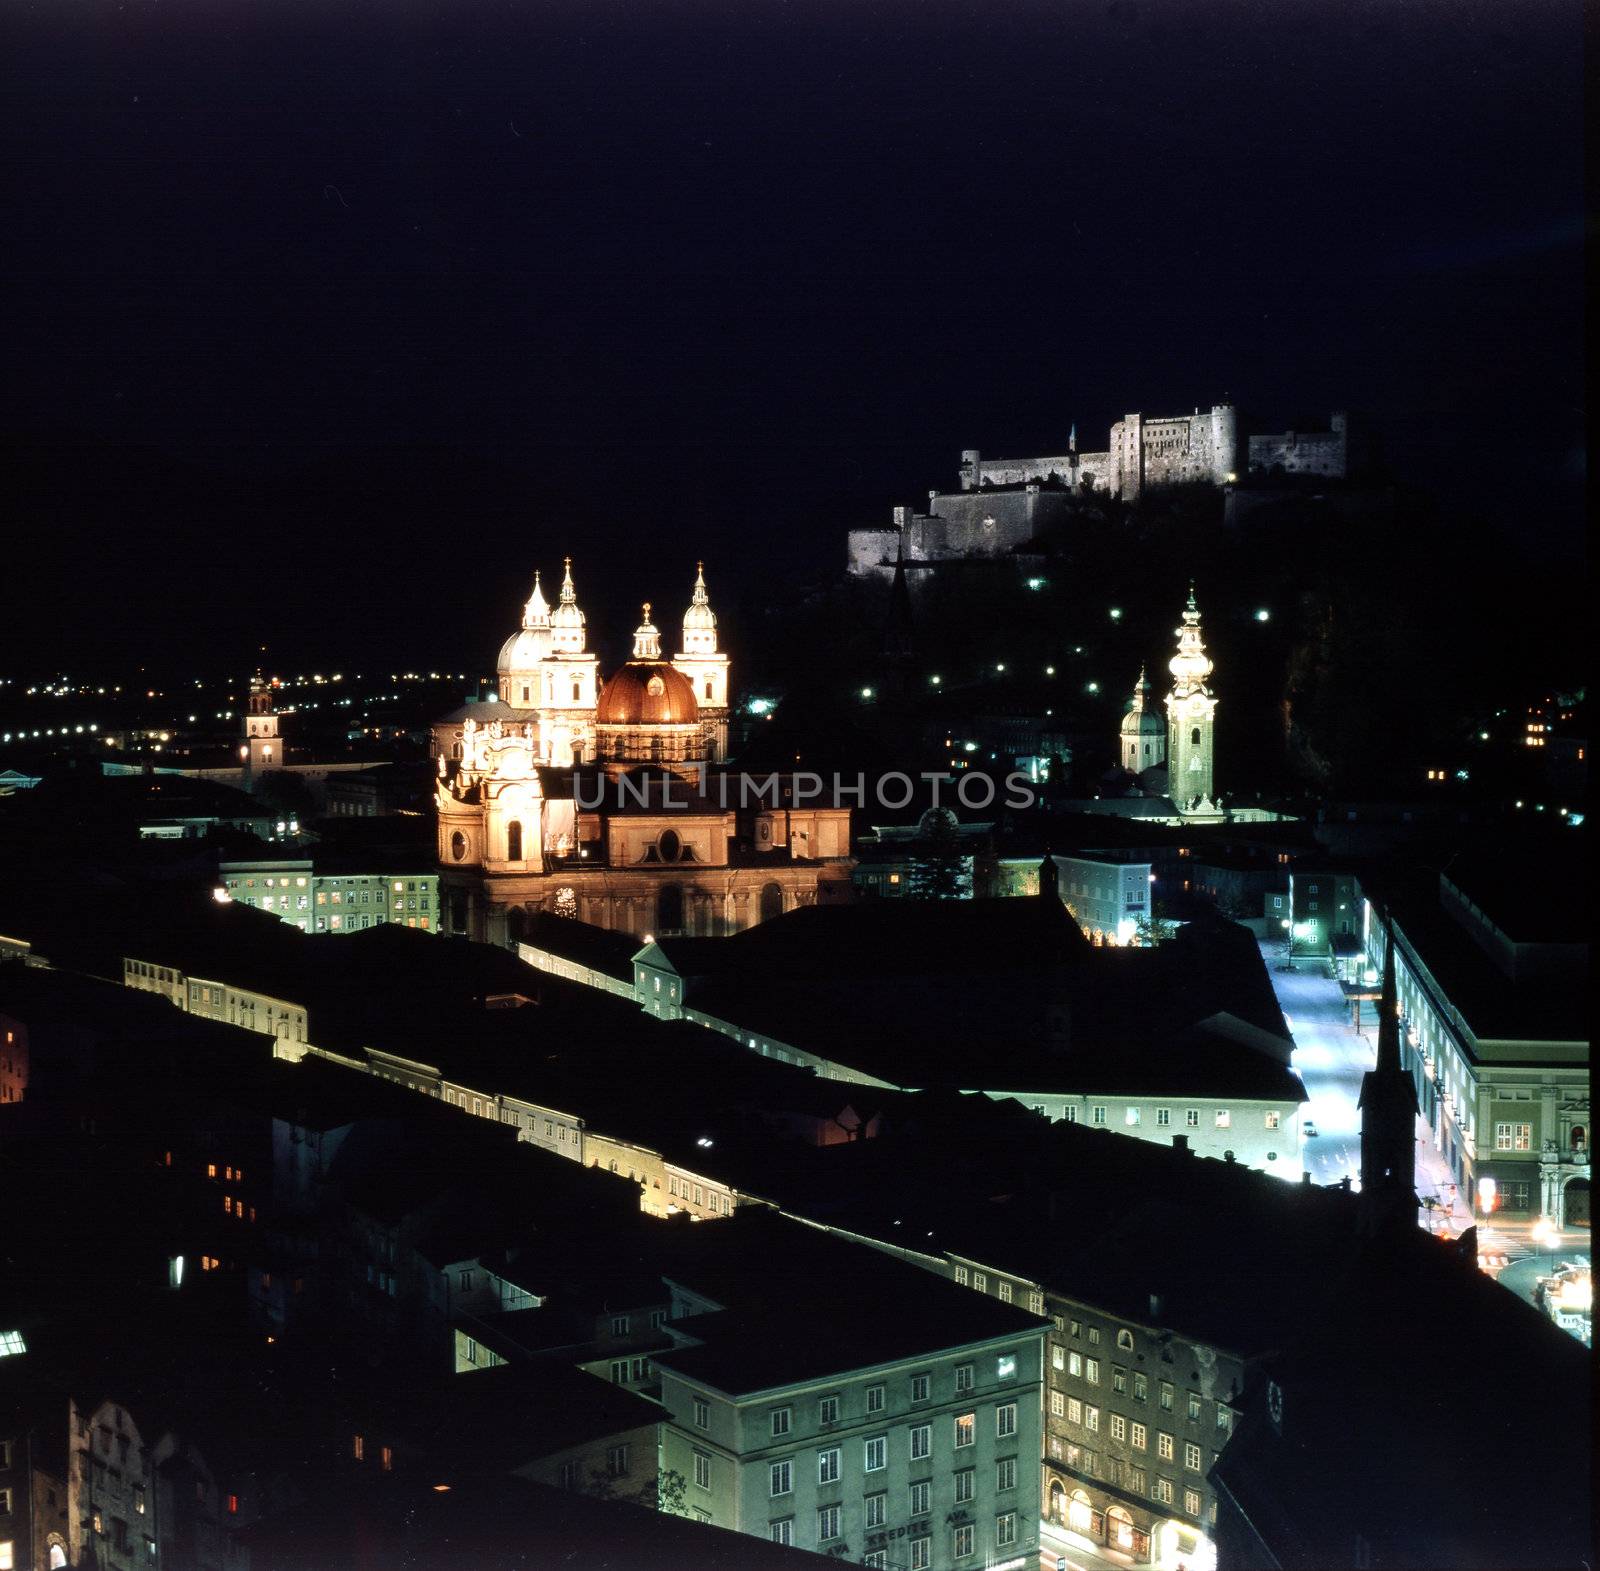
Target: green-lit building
(335,896)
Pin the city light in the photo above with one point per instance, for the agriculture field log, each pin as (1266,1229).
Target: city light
(1263,615)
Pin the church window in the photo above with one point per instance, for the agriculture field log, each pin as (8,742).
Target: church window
(514,841)
(1194,737)
(708,689)
(669,845)
(527,696)
(577,690)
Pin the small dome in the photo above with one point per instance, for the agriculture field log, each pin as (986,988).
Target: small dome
(648,692)
(566,613)
(1143,722)
(700,618)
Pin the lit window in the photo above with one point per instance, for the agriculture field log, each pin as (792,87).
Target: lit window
(966,1429)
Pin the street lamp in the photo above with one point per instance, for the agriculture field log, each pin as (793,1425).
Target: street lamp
(1546,1233)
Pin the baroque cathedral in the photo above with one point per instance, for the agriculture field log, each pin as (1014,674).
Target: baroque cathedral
(611,800)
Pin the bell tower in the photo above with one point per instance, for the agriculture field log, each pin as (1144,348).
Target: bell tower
(1191,718)
(262,748)
(706,667)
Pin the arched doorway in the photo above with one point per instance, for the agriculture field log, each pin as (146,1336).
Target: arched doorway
(1575,1202)
(771,901)
(669,908)
(1058,1502)
(1080,1514)
(1119,1529)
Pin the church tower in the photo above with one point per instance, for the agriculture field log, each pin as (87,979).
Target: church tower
(569,683)
(1388,1104)
(261,748)
(706,668)
(1191,715)
(518,663)
(1144,733)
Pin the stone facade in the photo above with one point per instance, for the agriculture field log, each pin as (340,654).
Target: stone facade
(1304,452)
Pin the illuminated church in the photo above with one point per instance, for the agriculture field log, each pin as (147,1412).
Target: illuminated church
(611,800)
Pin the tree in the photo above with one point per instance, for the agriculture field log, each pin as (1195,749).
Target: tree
(938,871)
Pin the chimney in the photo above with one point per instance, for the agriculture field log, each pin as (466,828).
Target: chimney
(1305,1175)
(1180,1143)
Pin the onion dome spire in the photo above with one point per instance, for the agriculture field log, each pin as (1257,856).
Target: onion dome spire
(1191,665)
(647,638)
(567,621)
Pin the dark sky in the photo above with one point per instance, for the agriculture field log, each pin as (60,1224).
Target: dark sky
(402,299)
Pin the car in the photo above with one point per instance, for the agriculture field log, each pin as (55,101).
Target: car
(1309,1129)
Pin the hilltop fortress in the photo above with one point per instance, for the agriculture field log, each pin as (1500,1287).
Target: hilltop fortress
(1004,504)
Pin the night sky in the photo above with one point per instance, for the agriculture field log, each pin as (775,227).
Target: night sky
(327,322)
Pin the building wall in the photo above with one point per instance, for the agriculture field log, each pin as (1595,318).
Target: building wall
(1264,1135)
(328,903)
(1302,452)
(1107,898)
(729,1458)
(111,1498)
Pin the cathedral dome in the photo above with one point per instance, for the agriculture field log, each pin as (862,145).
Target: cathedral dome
(1143,722)
(648,692)
(523,650)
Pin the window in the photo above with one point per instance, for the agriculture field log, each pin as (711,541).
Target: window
(921,1441)
(1191,1457)
(827,1522)
(876,1560)
(875,1510)
(781,1532)
(1005,1529)
(874,1454)
(702,1413)
(1119,1379)
(919,1388)
(1191,1502)
(780,1421)
(921,1554)
(1141,1387)
(828,1466)
(1005,1473)
(1005,1419)
(1003,1290)
(828,1410)
(1224,1419)
(1075,1364)
(617,1461)
(963,1378)
(966,1430)
(1513,1137)
(980,1281)
(961,1540)
(1130,1116)
(1091,1371)
(1164,1446)
(1163,1490)
(1005,1366)
(1194,1407)
(919,1498)
(1166,1396)
(1141,1436)
(619,1323)
(1035,1303)
(358,1447)
(1058,1357)
(1077,1328)
(1119,1427)
(874,1399)
(1091,1420)
(780,1479)
(1074,1410)
(1273,1119)
(1098,1115)
(1057,1404)
(966,1483)
(1191,1118)
(1163,1117)
(1094,1336)
(702,1470)
(1224,1118)
(961,1276)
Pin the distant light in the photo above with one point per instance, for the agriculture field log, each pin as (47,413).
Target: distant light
(11,1342)
(969,747)
(704,1140)
(936,680)
(866,692)
(1483,736)
(221,896)
(1037,583)
(1116,613)
(1263,615)
(1049,670)
(1001,666)
(1094,687)
(441,1489)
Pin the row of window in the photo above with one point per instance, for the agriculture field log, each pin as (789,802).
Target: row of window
(875,1450)
(1136,1434)
(963,1538)
(781,1419)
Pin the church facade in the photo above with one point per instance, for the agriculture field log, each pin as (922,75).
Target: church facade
(612,801)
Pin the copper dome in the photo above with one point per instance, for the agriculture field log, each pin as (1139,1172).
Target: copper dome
(648,692)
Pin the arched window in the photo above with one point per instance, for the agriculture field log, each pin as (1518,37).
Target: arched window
(1194,737)
(58,1556)
(708,689)
(514,840)
(771,901)
(1058,1501)
(669,908)
(577,689)
(455,750)
(1079,1512)
(1578,1139)
(1119,1528)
